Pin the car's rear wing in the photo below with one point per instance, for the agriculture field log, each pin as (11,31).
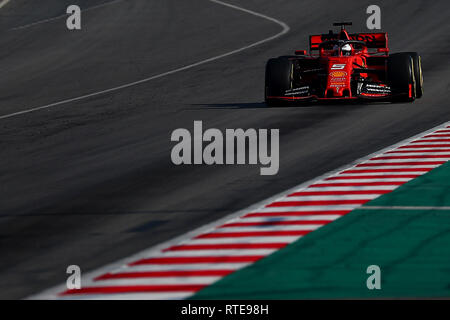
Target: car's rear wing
(372,40)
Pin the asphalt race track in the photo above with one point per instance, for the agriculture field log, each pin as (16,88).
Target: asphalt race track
(90,181)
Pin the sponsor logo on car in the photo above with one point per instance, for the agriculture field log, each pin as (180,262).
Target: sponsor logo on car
(337,80)
(297,91)
(337,74)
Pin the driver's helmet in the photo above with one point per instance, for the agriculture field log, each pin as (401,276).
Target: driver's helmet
(335,50)
(346,49)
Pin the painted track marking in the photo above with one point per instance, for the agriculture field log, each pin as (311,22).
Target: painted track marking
(285,29)
(3,3)
(179,268)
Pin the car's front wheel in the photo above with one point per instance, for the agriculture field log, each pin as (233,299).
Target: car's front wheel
(278,79)
(401,77)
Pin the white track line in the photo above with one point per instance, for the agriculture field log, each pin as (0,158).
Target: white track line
(285,29)
(3,3)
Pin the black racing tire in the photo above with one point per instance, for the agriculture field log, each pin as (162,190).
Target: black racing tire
(278,79)
(418,75)
(400,73)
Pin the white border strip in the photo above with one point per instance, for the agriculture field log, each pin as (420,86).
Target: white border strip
(190,66)
(3,3)
(52,292)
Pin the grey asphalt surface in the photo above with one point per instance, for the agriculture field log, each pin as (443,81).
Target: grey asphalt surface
(90,182)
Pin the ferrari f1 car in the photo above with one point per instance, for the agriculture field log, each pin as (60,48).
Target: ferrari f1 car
(343,66)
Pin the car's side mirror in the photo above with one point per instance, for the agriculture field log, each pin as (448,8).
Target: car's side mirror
(300,52)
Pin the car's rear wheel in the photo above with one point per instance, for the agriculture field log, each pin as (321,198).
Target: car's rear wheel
(400,73)
(279,77)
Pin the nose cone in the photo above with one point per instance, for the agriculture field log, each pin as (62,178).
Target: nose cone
(335,91)
(338,84)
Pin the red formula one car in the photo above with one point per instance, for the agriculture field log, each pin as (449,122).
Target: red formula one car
(343,66)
